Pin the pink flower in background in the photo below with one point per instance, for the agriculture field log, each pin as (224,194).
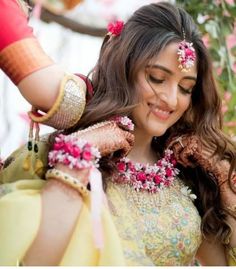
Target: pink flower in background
(230,123)
(205,40)
(224,109)
(231,40)
(219,71)
(234,67)
(227,96)
(230,2)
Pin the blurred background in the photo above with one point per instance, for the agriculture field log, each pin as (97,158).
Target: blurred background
(71,32)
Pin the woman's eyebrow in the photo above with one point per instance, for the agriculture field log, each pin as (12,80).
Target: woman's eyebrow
(190,77)
(163,68)
(157,66)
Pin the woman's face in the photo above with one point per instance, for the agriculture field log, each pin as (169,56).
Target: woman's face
(165,93)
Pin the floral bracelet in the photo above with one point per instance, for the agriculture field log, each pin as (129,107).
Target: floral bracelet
(73,152)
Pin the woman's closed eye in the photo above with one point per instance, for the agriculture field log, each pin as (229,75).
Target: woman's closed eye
(186,90)
(155,80)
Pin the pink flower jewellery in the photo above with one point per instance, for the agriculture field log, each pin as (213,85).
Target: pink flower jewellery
(124,122)
(149,178)
(186,55)
(79,154)
(115,28)
(73,152)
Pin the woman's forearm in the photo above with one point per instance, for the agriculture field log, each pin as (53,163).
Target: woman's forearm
(61,206)
(43,83)
(45,89)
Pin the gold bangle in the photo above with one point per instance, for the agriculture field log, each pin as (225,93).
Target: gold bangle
(68,107)
(23,58)
(67,179)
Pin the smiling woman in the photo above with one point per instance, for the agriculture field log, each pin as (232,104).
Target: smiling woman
(151,132)
(165,92)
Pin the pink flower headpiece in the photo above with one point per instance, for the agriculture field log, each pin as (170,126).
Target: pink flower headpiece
(115,28)
(186,55)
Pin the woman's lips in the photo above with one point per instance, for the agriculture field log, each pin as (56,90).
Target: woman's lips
(161,113)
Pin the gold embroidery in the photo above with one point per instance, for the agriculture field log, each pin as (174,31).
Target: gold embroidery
(156,229)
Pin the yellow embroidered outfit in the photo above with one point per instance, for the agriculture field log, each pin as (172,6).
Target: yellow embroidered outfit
(139,228)
(155,229)
(20,213)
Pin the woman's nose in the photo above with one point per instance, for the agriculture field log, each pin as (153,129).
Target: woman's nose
(170,97)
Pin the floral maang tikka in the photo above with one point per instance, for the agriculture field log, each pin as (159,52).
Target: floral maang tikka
(186,55)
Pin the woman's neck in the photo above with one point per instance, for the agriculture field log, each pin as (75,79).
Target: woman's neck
(142,151)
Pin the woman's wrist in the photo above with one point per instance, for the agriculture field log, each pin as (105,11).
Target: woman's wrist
(71,160)
(67,179)
(56,186)
(81,174)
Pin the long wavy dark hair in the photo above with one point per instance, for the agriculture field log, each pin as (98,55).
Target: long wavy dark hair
(150,29)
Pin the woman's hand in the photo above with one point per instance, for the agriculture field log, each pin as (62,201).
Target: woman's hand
(190,152)
(108,137)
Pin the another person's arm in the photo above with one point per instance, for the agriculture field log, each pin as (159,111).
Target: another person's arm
(36,75)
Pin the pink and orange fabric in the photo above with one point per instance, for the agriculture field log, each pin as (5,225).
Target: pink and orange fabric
(20,52)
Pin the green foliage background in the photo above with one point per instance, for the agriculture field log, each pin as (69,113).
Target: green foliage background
(217,21)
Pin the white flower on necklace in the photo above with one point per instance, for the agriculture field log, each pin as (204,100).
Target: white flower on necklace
(187,192)
(148,177)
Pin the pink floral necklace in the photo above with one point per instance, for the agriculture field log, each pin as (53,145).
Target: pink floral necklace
(151,178)
(143,177)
